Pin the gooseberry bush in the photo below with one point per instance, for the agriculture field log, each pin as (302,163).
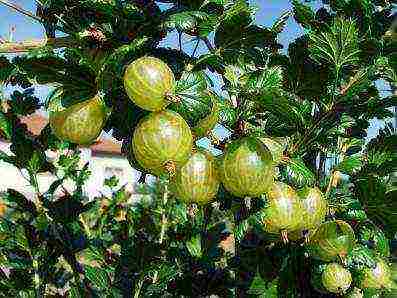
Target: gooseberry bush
(287,199)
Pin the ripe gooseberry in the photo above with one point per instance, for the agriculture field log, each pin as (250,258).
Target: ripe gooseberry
(162,139)
(148,82)
(80,123)
(196,181)
(247,168)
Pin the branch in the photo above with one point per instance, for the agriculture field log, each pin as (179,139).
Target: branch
(25,46)
(20,9)
(208,44)
(27,13)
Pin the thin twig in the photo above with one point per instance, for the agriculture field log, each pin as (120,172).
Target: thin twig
(195,48)
(180,40)
(26,13)
(208,44)
(20,10)
(163,215)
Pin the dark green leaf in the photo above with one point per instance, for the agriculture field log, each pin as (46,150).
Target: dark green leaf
(241,229)
(281,107)
(192,22)
(298,174)
(227,114)
(263,289)
(24,103)
(16,197)
(98,277)
(279,25)
(6,68)
(111,182)
(351,164)
(266,80)
(338,46)
(235,30)
(194,246)
(213,62)
(303,14)
(353,215)
(381,209)
(43,66)
(195,103)
(5,126)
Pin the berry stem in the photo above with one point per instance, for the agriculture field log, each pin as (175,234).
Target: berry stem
(172,97)
(163,215)
(284,236)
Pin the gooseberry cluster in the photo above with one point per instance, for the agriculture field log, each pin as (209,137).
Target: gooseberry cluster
(163,144)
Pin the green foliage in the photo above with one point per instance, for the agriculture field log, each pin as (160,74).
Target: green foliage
(338,46)
(320,96)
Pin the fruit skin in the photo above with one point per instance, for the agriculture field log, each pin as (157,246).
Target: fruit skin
(315,207)
(80,123)
(284,211)
(147,81)
(336,279)
(355,293)
(196,181)
(247,168)
(375,278)
(331,240)
(162,137)
(275,147)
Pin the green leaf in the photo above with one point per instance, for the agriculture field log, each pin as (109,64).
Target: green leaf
(111,182)
(192,22)
(5,126)
(98,277)
(42,65)
(235,30)
(298,174)
(381,209)
(353,215)
(263,289)
(303,14)
(194,246)
(19,199)
(385,70)
(195,103)
(6,68)
(7,158)
(227,113)
(351,164)
(213,62)
(24,103)
(284,109)
(241,230)
(338,46)
(280,23)
(218,2)
(265,80)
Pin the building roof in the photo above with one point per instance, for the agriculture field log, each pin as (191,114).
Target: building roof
(37,122)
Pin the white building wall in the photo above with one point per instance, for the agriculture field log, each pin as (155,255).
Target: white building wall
(101,167)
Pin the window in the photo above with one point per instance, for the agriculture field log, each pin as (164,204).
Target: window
(113,171)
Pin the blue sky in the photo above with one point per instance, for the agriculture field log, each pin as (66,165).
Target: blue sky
(267,13)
